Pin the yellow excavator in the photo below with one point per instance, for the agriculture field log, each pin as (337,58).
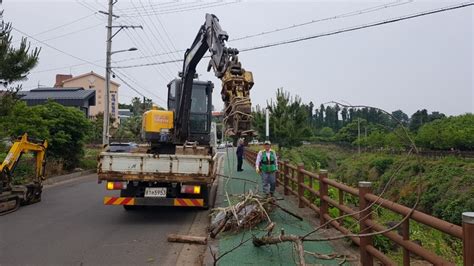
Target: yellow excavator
(12,196)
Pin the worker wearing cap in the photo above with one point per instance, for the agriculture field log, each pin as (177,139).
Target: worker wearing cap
(267,165)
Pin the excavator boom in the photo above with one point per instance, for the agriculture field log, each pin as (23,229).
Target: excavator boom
(236,82)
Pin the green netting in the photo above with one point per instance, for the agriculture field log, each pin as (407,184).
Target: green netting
(247,254)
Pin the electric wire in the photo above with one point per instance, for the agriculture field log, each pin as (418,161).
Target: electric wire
(180,10)
(152,31)
(360,27)
(91,7)
(352,13)
(145,48)
(172,48)
(132,87)
(140,44)
(343,15)
(73,32)
(54,48)
(128,76)
(64,25)
(335,32)
(173,4)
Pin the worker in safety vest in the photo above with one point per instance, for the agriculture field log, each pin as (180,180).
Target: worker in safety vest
(267,165)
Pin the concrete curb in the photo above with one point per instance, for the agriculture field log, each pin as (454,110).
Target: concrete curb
(57,179)
(207,258)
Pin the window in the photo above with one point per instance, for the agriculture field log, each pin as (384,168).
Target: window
(199,100)
(198,123)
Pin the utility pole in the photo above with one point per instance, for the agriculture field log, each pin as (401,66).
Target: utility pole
(110,15)
(358,135)
(105,133)
(267,124)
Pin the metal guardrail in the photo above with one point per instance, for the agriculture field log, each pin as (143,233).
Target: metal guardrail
(299,182)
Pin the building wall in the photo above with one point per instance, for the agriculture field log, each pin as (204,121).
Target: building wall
(98,84)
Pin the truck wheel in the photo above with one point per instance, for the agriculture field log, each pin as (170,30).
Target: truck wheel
(130,207)
(206,194)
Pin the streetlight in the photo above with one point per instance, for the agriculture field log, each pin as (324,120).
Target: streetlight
(124,50)
(105,132)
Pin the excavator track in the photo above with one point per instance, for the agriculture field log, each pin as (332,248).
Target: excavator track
(9,203)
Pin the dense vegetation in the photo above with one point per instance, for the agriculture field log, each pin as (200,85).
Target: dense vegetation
(447,187)
(130,129)
(447,183)
(292,122)
(65,128)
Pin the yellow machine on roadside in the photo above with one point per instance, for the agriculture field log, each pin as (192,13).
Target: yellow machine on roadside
(12,196)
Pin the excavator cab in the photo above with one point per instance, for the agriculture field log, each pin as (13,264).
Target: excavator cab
(199,124)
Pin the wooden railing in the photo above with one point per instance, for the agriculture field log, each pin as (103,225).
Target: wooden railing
(300,183)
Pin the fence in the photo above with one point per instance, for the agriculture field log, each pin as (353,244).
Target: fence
(300,182)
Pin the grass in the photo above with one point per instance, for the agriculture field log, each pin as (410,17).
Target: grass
(89,161)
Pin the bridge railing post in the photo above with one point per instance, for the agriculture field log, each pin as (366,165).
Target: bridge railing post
(341,200)
(300,177)
(468,238)
(406,236)
(323,192)
(285,178)
(365,214)
(277,174)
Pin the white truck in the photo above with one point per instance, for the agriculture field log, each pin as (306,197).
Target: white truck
(158,179)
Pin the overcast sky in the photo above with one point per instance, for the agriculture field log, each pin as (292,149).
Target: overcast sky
(426,62)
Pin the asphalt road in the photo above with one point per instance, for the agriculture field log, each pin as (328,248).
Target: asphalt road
(71,226)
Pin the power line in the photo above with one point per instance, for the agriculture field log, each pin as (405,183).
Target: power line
(126,83)
(349,29)
(73,32)
(151,64)
(343,15)
(180,10)
(162,5)
(158,41)
(145,47)
(64,25)
(131,87)
(54,48)
(133,40)
(172,56)
(115,61)
(359,27)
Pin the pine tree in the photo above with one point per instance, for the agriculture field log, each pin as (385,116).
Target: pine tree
(15,64)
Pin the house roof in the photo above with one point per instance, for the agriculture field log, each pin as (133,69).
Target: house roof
(90,73)
(58,94)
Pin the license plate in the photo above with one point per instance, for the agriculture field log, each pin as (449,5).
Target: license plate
(155,192)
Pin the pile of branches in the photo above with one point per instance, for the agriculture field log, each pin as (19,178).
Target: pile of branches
(250,210)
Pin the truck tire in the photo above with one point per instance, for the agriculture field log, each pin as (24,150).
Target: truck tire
(130,207)
(206,196)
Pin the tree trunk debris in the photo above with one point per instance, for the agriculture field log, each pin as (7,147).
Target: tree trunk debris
(201,240)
